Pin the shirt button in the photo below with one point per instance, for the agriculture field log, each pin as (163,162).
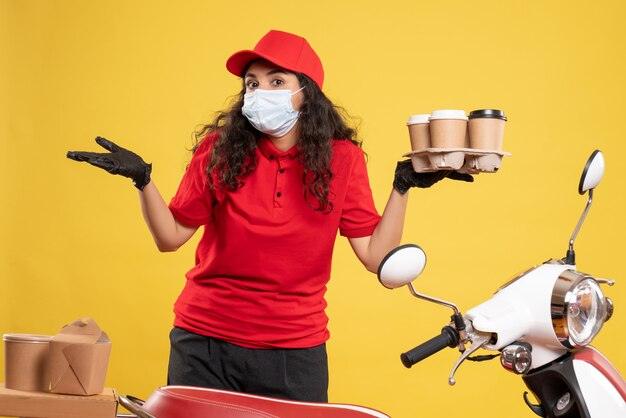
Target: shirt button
(278,194)
(282,170)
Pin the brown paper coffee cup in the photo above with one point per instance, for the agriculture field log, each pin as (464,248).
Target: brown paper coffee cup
(448,128)
(419,131)
(486,129)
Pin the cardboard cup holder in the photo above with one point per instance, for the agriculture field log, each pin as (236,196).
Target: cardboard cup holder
(463,160)
(451,140)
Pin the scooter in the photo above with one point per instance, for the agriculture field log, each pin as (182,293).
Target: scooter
(541,322)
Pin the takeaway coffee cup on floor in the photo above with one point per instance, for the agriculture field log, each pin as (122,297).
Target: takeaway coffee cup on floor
(486,129)
(26,362)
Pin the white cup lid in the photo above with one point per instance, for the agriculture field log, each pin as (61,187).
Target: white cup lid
(419,118)
(448,114)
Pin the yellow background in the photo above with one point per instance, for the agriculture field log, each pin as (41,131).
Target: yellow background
(145,74)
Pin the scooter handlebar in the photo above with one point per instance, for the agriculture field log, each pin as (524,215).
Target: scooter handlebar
(449,337)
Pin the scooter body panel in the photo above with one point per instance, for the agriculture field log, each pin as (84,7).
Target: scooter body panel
(601,383)
(601,396)
(521,312)
(582,384)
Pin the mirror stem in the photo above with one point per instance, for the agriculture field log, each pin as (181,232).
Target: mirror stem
(570,258)
(431,299)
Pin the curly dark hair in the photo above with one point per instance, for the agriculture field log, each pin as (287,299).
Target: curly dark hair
(320,122)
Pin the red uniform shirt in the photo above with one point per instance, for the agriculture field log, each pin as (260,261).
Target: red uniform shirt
(264,259)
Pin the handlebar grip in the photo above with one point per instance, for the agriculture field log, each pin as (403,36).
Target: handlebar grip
(449,337)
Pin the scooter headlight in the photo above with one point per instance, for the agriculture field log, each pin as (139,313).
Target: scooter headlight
(579,309)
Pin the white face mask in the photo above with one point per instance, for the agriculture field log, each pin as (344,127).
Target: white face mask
(270,111)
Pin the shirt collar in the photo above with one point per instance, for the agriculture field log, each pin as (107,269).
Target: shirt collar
(269,150)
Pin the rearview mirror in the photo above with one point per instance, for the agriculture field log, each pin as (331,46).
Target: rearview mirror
(401,266)
(593,172)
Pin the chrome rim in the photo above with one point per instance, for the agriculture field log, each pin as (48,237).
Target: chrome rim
(560,304)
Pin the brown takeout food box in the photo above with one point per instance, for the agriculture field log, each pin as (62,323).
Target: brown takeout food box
(49,405)
(79,356)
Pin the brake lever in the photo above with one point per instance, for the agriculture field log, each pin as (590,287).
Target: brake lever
(479,341)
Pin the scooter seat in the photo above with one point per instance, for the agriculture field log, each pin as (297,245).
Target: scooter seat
(195,402)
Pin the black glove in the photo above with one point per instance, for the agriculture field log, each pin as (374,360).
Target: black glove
(406,177)
(120,161)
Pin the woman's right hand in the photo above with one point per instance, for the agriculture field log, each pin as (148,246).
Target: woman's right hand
(118,161)
(405,177)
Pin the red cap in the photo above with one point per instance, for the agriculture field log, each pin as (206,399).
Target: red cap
(286,50)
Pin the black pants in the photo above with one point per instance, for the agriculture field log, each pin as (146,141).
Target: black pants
(296,374)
